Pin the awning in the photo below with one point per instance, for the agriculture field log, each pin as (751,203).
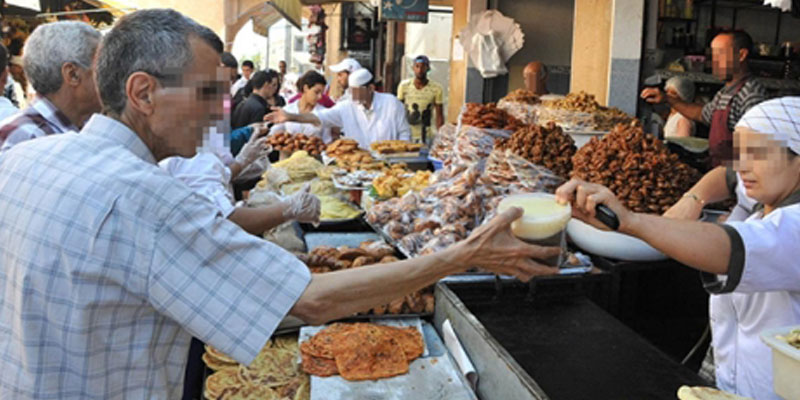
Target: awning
(289,9)
(30,4)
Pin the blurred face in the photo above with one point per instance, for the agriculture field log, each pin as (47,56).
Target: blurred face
(725,61)
(247,71)
(232,74)
(363,94)
(421,70)
(270,88)
(183,112)
(769,172)
(311,95)
(282,67)
(341,77)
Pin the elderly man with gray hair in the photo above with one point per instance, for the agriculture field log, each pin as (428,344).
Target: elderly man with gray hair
(110,265)
(57,60)
(677,124)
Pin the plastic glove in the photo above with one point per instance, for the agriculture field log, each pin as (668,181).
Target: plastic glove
(303,206)
(254,149)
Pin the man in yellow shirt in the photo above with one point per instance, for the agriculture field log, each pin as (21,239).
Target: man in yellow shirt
(421,96)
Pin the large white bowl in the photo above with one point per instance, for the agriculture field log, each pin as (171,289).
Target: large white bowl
(611,244)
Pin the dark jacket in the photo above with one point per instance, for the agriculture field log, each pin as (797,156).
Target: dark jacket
(252,110)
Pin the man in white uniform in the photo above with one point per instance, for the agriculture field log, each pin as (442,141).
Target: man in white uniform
(369,117)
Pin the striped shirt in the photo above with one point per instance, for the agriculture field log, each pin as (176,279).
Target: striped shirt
(109,266)
(40,119)
(751,94)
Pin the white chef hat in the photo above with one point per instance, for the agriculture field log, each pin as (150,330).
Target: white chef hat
(359,77)
(777,117)
(348,64)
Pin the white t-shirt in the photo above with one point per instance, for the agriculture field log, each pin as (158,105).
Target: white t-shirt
(238,85)
(671,127)
(766,263)
(386,120)
(323,132)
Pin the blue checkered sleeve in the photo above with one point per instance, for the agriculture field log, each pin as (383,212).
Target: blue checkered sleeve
(226,287)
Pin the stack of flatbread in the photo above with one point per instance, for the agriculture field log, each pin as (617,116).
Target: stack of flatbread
(361,351)
(273,375)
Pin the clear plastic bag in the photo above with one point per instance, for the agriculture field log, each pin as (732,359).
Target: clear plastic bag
(525,113)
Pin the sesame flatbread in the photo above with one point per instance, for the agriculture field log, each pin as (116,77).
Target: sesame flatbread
(321,344)
(318,366)
(410,340)
(369,353)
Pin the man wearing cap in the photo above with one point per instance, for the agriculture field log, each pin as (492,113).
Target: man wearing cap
(342,71)
(421,96)
(368,117)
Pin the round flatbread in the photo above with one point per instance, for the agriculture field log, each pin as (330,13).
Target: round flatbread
(297,389)
(220,381)
(319,366)
(271,368)
(215,364)
(250,392)
(322,343)
(410,340)
(219,356)
(285,342)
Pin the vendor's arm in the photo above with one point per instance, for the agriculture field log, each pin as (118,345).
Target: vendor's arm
(692,111)
(713,187)
(279,116)
(492,246)
(301,206)
(678,239)
(255,148)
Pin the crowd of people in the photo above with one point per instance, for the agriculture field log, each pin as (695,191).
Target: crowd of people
(120,239)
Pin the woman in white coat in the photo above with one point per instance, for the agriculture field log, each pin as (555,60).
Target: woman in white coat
(752,266)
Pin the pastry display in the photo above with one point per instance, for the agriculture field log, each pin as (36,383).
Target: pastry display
(637,167)
(523,96)
(334,208)
(443,142)
(397,182)
(547,146)
(395,146)
(341,147)
(361,351)
(488,116)
(289,142)
(274,374)
(327,259)
(581,112)
(300,166)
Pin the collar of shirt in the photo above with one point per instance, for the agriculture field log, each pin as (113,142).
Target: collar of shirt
(117,132)
(53,115)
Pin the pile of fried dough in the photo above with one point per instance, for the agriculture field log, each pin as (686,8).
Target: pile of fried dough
(361,351)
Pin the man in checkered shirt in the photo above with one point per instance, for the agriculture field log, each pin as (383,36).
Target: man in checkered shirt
(57,60)
(109,265)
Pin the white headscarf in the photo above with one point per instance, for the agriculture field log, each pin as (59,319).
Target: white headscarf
(777,117)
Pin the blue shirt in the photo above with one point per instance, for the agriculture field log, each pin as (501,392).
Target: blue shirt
(109,266)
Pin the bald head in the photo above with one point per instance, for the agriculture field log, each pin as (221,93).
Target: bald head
(729,53)
(535,76)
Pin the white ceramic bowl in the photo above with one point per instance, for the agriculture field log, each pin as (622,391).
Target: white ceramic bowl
(611,244)
(547,218)
(785,363)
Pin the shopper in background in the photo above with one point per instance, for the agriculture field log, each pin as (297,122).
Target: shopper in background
(368,117)
(311,86)
(247,72)
(232,66)
(6,106)
(677,124)
(58,58)
(730,53)
(535,77)
(17,88)
(422,97)
(342,70)
(264,96)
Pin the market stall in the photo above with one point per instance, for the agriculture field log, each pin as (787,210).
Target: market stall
(383,204)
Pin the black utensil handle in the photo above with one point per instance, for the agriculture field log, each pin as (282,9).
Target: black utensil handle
(606,216)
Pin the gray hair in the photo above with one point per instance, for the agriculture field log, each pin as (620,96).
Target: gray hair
(52,45)
(154,41)
(683,86)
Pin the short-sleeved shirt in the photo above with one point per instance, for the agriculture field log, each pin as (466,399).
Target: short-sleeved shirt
(110,266)
(385,120)
(322,132)
(751,94)
(761,291)
(39,119)
(420,105)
